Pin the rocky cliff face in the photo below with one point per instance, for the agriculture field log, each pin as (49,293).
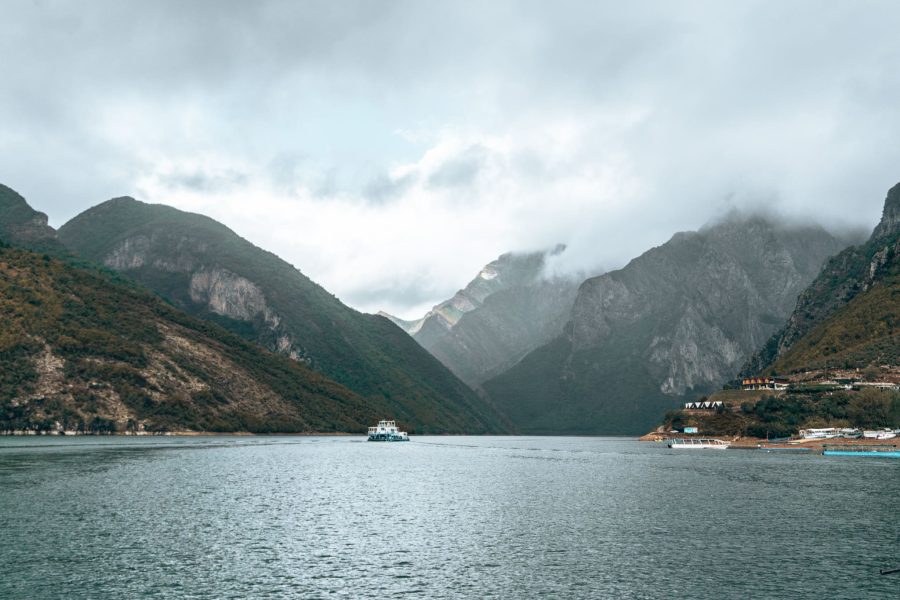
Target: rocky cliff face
(139,251)
(511,307)
(890,219)
(847,276)
(22,225)
(679,319)
(207,270)
(213,289)
(229,295)
(711,297)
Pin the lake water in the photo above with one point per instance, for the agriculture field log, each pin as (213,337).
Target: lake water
(439,517)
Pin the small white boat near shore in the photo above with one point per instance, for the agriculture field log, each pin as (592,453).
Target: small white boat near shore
(698,444)
(386,431)
(880,434)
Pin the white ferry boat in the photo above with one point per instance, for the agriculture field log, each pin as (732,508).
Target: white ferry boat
(386,431)
(698,444)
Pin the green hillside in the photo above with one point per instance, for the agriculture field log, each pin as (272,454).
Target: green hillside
(204,268)
(91,351)
(849,315)
(864,332)
(769,415)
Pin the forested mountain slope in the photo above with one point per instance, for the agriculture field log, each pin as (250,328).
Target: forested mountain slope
(204,268)
(849,316)
(85,350)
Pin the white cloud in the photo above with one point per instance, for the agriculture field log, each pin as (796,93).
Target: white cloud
(429,237)
(390,149)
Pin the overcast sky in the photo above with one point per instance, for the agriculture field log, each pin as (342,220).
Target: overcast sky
(389,149)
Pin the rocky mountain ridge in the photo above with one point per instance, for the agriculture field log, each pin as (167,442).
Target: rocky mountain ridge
(848,314)
(204,268)
(23,226)
(680,319)
(508,270)
(511,307)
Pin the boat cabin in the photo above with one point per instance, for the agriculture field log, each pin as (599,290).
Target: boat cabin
(386,431)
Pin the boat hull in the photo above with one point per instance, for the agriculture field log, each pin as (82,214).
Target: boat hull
(697,444)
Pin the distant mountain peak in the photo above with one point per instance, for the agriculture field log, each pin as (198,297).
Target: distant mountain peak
(509,308)
(21,225)
(508,270)
(890,218)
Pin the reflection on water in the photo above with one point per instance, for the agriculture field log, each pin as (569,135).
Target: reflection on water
(438,517)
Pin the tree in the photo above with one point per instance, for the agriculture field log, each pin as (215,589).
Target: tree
(870,408)
(871,373)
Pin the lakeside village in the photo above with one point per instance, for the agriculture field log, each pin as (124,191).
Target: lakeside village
(809,410)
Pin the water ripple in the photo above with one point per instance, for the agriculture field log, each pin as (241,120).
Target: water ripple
(500,517)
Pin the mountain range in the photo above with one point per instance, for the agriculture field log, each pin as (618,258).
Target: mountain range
(678,320)
(200,267)
(838,352)
(207,270)
(511,307)
(137,316)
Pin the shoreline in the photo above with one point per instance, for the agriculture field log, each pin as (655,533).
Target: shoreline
(739,442)
(187,433)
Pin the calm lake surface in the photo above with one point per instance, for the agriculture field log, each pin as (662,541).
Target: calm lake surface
(439,517)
